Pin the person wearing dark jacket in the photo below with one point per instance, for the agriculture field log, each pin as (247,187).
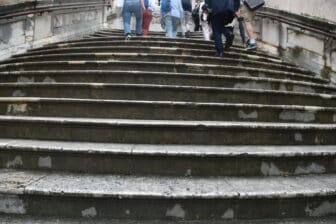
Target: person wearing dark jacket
(223,12)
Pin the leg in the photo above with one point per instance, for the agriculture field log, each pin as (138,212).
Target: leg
(147,19)
(242,29)
(127,19)
(217,27)
(168,25)
(138,16)
(229,36)
(176,22)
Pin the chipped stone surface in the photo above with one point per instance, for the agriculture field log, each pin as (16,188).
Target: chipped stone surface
(243,115)
(49,80)
(11,204)
(23,79)
(306,89)
(228,214)
(177,212)
(253,85)
(44,162)
(297,116)
(324,209)
(17,109)
(298,137)
(89,212)
(269,169)
(312,168)
(18,93)
(16,162)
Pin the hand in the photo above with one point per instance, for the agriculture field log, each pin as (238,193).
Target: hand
(238,13)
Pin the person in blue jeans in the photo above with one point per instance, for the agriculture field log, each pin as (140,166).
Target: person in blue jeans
(172,13)
(223,12)
(133,7)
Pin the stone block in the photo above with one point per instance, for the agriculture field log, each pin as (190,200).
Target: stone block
(42,27)
(299,39)
(270,32)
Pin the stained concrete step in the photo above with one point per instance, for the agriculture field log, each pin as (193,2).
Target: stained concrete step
(14,219)
(164,110)
(155,58)
(148,43)
(153,50)
(166,132)
(159,67)
(164,78)
(167,160)
(166,198)
(164,93)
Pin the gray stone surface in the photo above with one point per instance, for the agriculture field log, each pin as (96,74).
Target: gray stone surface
(52,220)
(165,150)
(80,185)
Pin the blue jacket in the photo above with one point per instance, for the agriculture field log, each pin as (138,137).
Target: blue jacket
(223,5)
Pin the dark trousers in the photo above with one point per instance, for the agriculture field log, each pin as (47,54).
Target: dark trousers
(219,21)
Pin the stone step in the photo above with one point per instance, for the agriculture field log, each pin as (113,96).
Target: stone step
(166,198)
(23,219)
(152,50)
(175,67)
(164,78)
(193,35)
(166,132)
(164,110)
(167,160)
(164,93)
(148,57)
(148,43)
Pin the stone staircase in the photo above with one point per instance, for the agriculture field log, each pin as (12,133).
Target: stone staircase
(157,130)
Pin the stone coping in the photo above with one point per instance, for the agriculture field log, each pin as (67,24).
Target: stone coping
(157,56)
(9,67)
(168,123)
(201,151)
(155,187)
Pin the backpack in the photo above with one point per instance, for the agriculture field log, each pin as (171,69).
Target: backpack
(165,6)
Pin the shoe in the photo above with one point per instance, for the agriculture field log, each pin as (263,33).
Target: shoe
(229,41)
(128,36)
(219,54)
(187,34)
(251,47)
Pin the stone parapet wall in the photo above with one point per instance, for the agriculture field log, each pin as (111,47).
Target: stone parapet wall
(22,32)
(319,9)
(295,42)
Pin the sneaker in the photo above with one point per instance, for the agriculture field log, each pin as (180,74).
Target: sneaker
(251,47)
(187,34)
(219,54)
(229,41)
(128,37)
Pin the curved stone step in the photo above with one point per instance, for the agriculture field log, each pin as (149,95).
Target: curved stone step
(164,110)
(166,198)
(164,78)
(166,132)
(167,160)
(148,43)
(152,50)
(24,219)
(164,93)
(205,60)
(175,67)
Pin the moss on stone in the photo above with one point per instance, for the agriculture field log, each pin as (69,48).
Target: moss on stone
(296,51)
